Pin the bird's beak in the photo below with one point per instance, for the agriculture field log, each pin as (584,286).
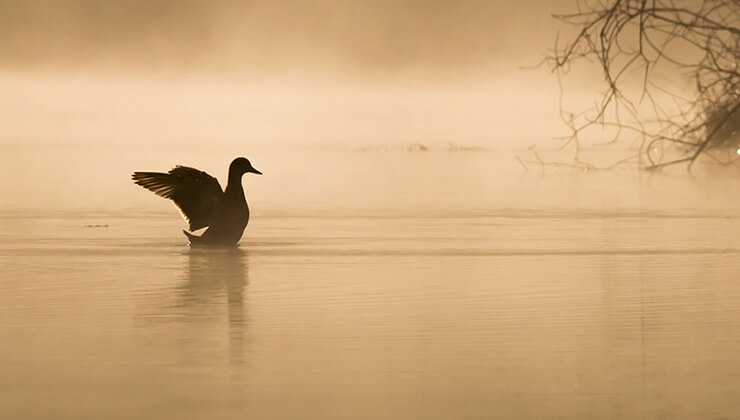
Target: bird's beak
(254,171)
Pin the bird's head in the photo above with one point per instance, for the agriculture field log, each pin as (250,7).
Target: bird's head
(242,166)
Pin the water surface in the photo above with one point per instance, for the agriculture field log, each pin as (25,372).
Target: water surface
(501,314)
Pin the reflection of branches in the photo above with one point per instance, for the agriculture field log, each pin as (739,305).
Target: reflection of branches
(630,40)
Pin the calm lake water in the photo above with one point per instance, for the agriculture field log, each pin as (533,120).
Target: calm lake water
(371,283)
(506,314)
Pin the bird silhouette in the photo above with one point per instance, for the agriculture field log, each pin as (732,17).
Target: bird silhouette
(202,201)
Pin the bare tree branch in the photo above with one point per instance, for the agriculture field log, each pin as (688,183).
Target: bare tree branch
(631,40)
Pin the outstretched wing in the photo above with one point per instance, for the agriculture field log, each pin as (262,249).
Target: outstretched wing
(197,194)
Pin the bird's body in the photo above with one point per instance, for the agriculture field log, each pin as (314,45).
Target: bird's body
(200,199)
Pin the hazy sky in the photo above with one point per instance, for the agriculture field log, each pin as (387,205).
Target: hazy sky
(367,38)
(300,71)
(109,87)
(93,90)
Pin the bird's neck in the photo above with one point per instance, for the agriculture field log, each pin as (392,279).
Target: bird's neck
(234,187)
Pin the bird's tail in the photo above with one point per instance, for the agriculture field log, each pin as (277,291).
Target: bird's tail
(194,239)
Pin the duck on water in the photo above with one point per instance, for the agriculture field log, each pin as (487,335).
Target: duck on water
(202,201)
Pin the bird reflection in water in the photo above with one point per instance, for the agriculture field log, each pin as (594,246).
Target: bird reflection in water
(213,275)
(206,304)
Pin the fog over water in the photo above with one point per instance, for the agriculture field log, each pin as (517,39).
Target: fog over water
(144,85)
(95,91)
(261,38)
